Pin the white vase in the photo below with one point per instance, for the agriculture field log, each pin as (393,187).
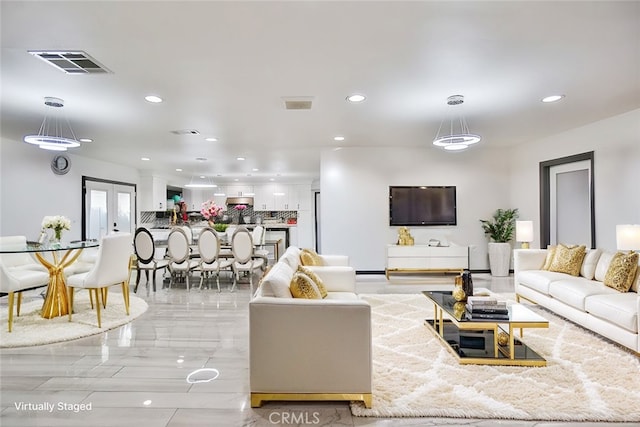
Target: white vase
(499,258)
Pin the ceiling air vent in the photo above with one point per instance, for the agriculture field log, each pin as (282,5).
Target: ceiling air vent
(298,102)
(185,132)
(71,62)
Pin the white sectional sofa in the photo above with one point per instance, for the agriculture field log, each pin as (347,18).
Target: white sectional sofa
(583,299)
(309,349)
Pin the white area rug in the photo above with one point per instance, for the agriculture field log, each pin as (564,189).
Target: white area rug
(31,329)
(586,377)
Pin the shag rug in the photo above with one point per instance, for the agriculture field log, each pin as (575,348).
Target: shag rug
(31,329)
(586,377)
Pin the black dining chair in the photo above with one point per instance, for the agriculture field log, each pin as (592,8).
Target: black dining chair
(145,250)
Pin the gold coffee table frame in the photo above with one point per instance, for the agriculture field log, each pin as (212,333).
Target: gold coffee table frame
(505,354)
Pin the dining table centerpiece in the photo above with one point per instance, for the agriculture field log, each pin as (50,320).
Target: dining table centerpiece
(57,223)
(210,211)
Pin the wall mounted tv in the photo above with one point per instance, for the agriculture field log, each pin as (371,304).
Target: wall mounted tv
(422,205)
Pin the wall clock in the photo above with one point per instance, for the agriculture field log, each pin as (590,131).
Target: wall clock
(60,164)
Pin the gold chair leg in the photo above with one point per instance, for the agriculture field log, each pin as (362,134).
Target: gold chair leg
(91,298)
(11,294)
(125,296)
(71,293)
(104,291)
(19,302)
(98,292)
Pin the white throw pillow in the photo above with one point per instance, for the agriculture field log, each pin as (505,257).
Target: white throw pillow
(588,269)
(603,265)
(276,282)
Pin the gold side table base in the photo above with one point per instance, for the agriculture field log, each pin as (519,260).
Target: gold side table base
(257,399)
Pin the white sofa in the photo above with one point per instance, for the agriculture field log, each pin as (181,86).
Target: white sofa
(309,349)
(583,299)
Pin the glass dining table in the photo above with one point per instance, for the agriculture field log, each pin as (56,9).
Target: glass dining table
(55,258)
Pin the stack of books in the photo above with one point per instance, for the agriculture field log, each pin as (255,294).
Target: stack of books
(486,308)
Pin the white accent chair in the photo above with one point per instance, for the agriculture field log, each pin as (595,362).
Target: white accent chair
(180,261)
(243,259)
(145,250)
(18,273)
(210,261)
(112,268)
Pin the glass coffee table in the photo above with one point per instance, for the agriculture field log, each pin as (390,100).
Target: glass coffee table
(487,341)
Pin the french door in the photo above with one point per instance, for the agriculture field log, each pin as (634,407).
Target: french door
(108,206)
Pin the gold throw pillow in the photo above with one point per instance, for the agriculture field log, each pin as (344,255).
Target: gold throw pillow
(568,259)
(551,253)
(303,287)
(310,257)
(622,271)
(316,279)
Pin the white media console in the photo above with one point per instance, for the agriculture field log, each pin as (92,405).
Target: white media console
(427,259)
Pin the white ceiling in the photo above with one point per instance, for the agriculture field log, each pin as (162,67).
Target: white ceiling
(223,68)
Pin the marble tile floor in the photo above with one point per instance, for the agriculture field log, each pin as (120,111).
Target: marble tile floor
(137,375)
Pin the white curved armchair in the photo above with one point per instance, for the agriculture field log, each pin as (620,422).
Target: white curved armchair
(19,272)
(112,267)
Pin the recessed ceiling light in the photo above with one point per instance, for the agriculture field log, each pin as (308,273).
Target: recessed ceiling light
(236,179)
(146,159)
(240,158)
(211,139)
(255,169)
(552,98)
(202,177)
(356,97)
(153,99)
(272,179)
(178,170)
(338,138)
(85,140)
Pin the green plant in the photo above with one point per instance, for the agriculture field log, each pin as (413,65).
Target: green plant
(500,229)
(220,228)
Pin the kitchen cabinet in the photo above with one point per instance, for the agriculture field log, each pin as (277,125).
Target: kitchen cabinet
(153,193)
(239,190)
(304,229)
(282,197)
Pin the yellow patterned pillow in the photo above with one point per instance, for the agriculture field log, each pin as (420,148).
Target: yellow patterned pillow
(551,252)
(316,279)
(310,257)
(568,259)
(303,287)
(622,271)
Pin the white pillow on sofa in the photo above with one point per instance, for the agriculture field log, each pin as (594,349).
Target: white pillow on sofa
(603,265)
(588,269)
(276,282)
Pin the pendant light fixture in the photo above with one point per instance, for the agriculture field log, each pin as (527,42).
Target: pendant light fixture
(457,136)
(53,134)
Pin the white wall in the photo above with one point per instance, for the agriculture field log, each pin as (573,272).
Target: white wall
(355,181)
(355,198)
(616,146)
(29,190)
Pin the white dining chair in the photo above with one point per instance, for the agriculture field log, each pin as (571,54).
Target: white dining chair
(16,277)
(145,250)
(243,260)
(210,263)
(112,267)
(259,251)
(180,261)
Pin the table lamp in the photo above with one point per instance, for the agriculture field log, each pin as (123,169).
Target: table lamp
(524,233)
(628,237)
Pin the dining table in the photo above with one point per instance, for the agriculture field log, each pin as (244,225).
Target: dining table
(55,257)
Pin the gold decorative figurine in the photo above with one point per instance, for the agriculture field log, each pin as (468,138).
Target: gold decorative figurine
(404,237)
(458,293)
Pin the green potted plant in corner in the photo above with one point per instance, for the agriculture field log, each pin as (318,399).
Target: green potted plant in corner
(500,230)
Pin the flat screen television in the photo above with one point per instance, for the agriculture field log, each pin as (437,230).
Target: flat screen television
(422,205)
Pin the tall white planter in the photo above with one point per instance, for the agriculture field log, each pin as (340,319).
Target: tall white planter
(499,258)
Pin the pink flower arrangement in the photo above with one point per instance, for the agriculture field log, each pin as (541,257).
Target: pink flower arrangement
(240,207)
(210,210)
